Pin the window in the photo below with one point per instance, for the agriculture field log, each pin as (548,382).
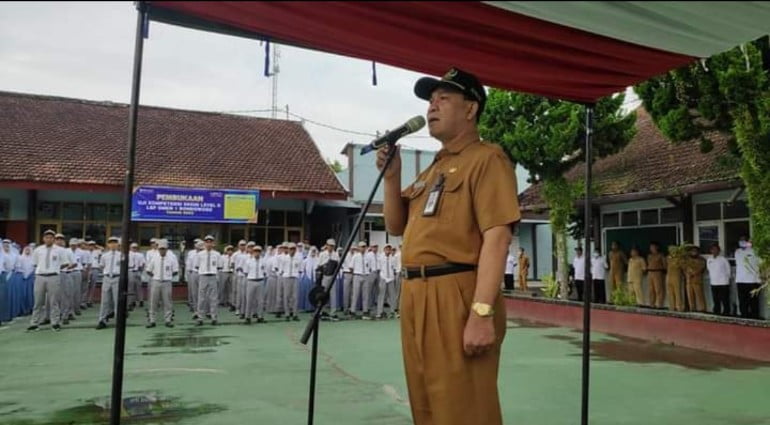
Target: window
(649,217)
(256,234)
(261,217)
(294,236)
(712,211)
(294,218)
(72,211)
(630,218)
(116,231)
(733,232)
(275,236)
(737,209)
(5,209)
(116,212)
(670,215)
(97,233)
(275,218)
(96,212)
(48,210)
(611,220)
(707,235)
(72,230)
(146,233)
(236,234)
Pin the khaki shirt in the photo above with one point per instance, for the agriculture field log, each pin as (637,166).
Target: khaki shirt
(479,193)
(694,268)
(523,264)
(636,268)
(618,260)
(656,262)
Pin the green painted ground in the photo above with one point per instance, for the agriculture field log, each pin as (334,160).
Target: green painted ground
(234,374)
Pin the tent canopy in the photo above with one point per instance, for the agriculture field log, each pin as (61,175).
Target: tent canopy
(577,51)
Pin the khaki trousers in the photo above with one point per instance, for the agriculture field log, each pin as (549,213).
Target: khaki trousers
(445,386)
(657,296)
(695,297)
(636,286)
(523,280)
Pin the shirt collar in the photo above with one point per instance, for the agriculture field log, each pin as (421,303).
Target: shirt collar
(455,147)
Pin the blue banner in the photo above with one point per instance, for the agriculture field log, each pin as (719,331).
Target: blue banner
(154,203)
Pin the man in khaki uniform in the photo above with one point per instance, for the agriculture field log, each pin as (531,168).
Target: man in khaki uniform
(456,220)
(694,267)
(656,270)
(618,262)
(674,280)
(523,270)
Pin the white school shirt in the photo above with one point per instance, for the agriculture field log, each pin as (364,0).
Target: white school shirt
(579,263)
(255,268)
(746,266)
(48,260)
(85,257)
(387,268)
(358,263)
(136,261)
(719,270)
(370,263)
(24,265)
(290,266)
(226,262)
(309,265)
(189,263)
(111,262)
(325,256)
(206,262)
(150,254)
(163,268)
(96,256)
(510,264)
(240,259)
(598,267)
(347,264)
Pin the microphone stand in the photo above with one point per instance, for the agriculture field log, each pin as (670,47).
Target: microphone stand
(323,297)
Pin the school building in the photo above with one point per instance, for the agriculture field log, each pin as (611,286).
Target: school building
(63,168)
(655,190)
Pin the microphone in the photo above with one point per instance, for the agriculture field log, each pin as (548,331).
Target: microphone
(391,137)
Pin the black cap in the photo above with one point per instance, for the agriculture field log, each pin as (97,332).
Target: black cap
(457,79)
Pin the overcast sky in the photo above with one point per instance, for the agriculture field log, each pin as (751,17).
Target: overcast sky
(85,50)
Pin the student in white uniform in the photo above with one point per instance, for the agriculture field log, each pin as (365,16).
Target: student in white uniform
(747,278)
(347,280)
(328,260)
(271,265)
(719,278)
(290,268)
(85,274)
(226,269)
(95,276)
(191,275)
(207,262)
(241,262)
(48,260)
(110,263)
(136,263)
(387,280)
(255,286)
(76,276)
(162,269)
(359,277)
(510,270)
(370,283)
(599,269)
(65,296)
(579,265)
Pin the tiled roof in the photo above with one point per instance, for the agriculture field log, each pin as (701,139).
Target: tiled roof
(650,163)
(60,140)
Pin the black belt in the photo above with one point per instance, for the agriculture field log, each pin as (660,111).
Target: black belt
(437,270)
(657,270)
(256,280)
(47,274)
(112,275)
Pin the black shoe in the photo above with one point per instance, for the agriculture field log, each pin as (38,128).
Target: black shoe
(77,313)
(90,304)
(65,322)
(213,323)
(169,325)
(195,317)
(101,325)
(248,321)
(261,320)
(288,318)
(295,318)
(199,323)
(242,316)
(232,308)
(56,327)
(150,325)
(32,328)
(141,303)
(46,322)
(208,316)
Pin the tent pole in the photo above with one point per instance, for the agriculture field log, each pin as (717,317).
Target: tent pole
(116,403)
(587,278)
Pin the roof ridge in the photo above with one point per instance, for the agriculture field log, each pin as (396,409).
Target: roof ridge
(113,104)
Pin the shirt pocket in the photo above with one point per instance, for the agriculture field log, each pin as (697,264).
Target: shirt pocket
(451,199)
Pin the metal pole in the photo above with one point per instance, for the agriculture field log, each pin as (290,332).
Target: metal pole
(120,319)
(587,278)
(313,325)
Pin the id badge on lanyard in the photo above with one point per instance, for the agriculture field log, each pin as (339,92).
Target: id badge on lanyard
(431,204)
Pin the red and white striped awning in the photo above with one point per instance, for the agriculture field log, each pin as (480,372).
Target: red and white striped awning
(578,51)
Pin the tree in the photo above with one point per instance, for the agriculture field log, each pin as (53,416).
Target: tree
(728,92)
(547,137)
(335,165)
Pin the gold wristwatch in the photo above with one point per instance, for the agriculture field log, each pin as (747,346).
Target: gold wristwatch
(482,310)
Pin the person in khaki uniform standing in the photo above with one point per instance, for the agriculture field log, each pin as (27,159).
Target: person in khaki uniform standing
(636,268)
(674,280)
(694,267)
(523,270)
(456,220)
(618,262)
(656,269)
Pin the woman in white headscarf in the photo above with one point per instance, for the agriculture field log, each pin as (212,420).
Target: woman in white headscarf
(307,281)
